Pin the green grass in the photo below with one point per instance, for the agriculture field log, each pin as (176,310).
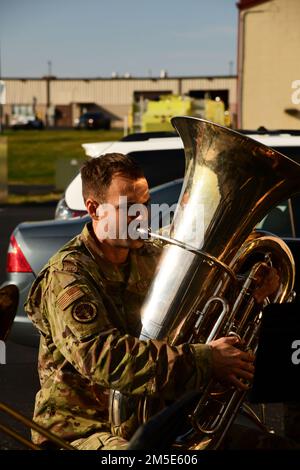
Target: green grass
(32,155)
(16,199)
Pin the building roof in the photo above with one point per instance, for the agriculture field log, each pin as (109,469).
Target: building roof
(119,79)
(244,4)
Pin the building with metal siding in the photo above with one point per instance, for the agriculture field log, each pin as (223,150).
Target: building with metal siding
(60,101)
(268,64)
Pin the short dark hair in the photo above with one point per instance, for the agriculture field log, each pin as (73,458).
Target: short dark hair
(97,173)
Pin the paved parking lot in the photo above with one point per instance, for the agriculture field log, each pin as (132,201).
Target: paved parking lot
(18,378)
(18,386)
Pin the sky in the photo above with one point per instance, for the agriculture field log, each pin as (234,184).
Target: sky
(94,38)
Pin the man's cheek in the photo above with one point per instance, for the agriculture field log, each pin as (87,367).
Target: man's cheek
(106,228)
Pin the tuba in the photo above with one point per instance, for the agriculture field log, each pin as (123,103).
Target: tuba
(211,259)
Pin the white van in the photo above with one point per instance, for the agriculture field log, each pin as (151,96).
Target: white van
(161,156)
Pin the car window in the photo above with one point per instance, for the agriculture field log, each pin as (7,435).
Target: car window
(168,195)
(291,152)
(161,166)
(295,208)
(278,221)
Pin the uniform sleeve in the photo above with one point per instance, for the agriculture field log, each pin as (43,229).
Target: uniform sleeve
(92,342)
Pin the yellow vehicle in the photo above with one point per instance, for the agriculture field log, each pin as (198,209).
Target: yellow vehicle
(151,115)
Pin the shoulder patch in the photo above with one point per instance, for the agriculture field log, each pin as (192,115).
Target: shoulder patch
(70,266)
(84,312)
(65,278)
(68,296)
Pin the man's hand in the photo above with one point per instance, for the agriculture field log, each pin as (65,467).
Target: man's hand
(267,283)
(230,364)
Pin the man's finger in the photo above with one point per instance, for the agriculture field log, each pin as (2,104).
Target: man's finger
(246,356)
(237,383)
(232,339)
(243,374)
(247,366)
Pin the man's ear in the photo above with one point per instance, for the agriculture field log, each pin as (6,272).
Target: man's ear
(91,207)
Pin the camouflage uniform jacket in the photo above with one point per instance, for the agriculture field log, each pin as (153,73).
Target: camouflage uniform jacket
(88,313)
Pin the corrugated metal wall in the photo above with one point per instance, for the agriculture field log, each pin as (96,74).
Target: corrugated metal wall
(23,91)
(117,92)
(114,95)
(107,92)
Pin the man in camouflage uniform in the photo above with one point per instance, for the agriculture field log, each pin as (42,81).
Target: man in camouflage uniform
(86,304)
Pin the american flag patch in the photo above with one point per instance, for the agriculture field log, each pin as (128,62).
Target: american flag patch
(67,297)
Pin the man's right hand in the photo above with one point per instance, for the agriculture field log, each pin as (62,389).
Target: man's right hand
(230,364)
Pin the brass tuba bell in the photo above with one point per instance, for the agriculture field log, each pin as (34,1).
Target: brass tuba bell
(203,285)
